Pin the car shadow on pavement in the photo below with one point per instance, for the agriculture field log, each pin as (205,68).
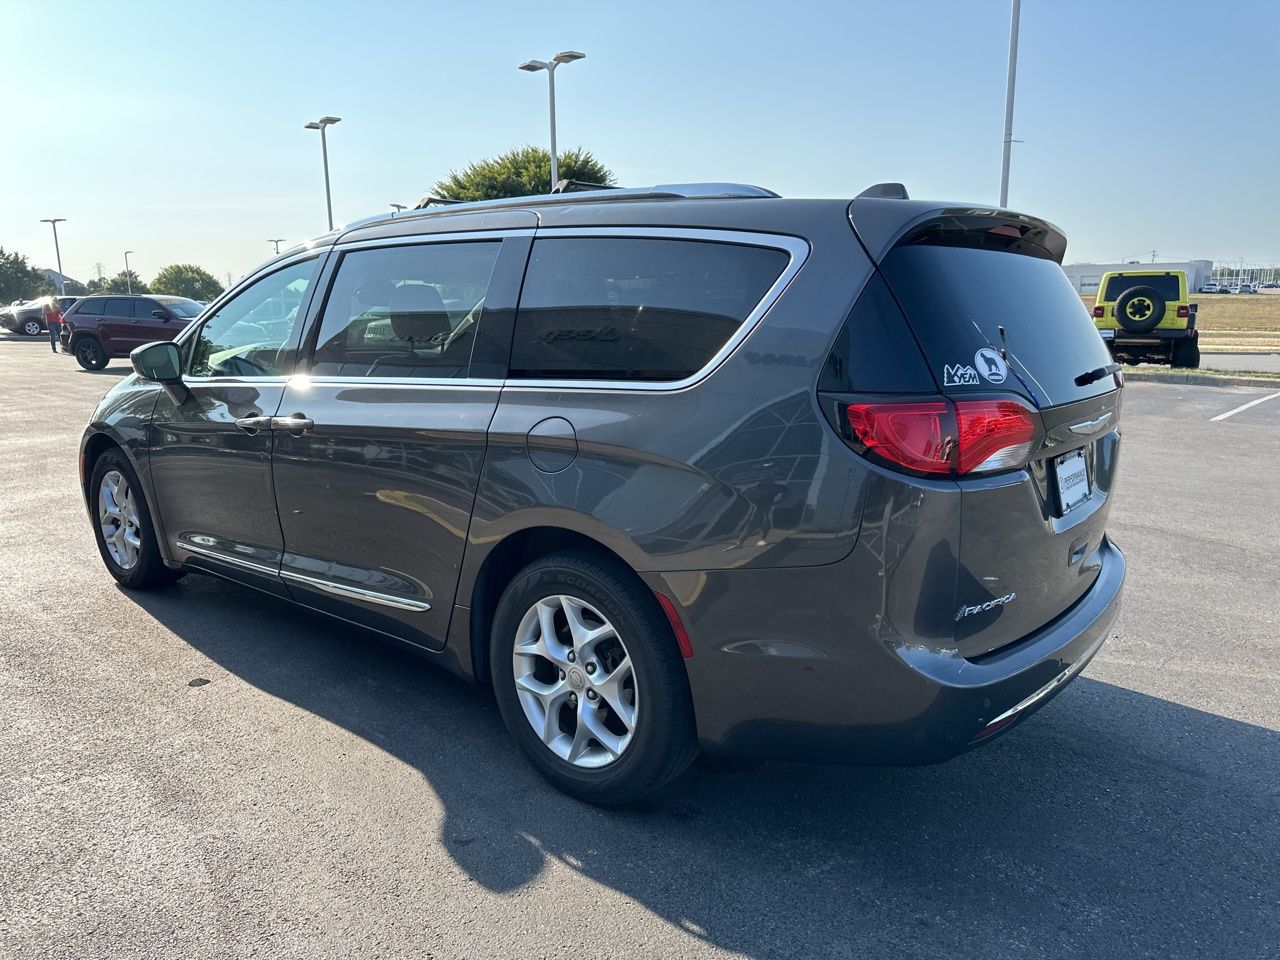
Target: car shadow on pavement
(1111,824)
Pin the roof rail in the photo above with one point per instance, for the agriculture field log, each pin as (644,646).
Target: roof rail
(577,192)
(884,191)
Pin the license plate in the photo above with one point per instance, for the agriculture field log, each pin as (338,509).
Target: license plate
(1108,334)
(1073,480)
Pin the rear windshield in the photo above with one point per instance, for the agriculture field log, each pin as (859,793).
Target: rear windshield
(957,300)
(1166,285)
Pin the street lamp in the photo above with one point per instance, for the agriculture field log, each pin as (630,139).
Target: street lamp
(128,278)
(533,66)
(62,281)
(1008,102)
(277,243)
(397,207)
(320,125)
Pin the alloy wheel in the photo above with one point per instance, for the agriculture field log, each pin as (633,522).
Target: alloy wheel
(118,520)
(575,681)
(31,328)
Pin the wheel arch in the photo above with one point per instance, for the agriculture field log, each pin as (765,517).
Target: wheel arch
(503,561)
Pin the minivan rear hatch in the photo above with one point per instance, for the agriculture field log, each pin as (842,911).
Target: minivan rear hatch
(995,316)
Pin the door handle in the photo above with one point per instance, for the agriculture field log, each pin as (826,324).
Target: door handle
(254,424)
(295,423)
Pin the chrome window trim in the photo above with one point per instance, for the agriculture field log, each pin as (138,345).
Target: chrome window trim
(796,247)
(357,593)
(419,239)
(305,381)
(274,380)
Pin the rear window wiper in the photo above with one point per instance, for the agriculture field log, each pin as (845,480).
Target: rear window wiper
(1095,375)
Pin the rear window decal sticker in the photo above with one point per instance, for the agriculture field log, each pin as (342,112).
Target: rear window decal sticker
(959,375)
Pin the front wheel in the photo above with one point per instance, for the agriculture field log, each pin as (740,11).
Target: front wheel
(589,679)
(122,525)
(89,354)
(32,328)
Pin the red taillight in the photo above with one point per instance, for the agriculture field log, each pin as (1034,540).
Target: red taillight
(1184,312)
(994,434)
(945,437)
(1098,312)
(918,436)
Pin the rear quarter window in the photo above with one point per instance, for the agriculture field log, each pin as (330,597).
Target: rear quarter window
(637,309)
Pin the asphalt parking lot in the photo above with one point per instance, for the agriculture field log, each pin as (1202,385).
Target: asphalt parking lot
(326,795)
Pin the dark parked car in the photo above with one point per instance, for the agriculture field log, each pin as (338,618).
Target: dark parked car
(101,327)
(695,466)
(28,317)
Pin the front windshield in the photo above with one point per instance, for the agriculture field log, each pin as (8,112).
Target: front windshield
(187,309)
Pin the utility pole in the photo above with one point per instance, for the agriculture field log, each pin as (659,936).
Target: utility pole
(128,274)
(62,281)
(277,243)
(1008,102)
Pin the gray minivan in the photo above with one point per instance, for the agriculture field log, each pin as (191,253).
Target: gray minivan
(692,467)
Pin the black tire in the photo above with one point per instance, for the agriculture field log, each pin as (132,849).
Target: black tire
(663,742)
(32,328)
(1140,309)
(1186,353)
(149,571)
(89,353)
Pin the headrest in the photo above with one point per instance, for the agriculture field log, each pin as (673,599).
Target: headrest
(418,314)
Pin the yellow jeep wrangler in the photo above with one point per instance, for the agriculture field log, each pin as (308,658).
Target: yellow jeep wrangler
(1145,317)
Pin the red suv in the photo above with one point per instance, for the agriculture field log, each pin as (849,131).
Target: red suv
(96,329)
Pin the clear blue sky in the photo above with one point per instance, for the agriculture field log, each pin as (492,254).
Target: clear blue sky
(175,129)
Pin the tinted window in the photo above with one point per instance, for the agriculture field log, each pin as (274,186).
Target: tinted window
(90,308)
(65,302)
(142,309)
(405,311)
(119,307)
(1166,286)
(186,309)
(609,308)
(957,300)
(875,351)
(251,335)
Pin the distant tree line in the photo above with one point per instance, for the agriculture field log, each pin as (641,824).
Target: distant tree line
(19,280)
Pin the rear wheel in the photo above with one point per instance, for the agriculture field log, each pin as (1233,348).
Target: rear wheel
(122,525)
(31,328)
(590,681)
(89,353)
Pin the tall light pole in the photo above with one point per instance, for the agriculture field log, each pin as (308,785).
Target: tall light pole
(1008,102)
(533,66)
(277,243)
(397,207)
(62,281)
(320,125)
(128,277)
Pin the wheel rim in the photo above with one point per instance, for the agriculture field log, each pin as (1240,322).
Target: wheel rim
(118,520)
(1140,308)
(88,352)
(575,681)
(31,328)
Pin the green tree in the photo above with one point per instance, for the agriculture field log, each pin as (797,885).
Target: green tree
(123,282)
(18,279)
(186,280)
(520,173)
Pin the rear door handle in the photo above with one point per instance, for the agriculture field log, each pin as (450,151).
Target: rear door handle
(295,423)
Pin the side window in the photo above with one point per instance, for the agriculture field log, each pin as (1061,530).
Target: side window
(142,309)
(613,308)
(405,311)
(250,335)
(118,307)
(91,308)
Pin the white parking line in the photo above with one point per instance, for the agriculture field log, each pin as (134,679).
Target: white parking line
(1244,406)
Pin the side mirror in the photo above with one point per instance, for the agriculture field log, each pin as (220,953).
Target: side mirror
(159,361)
(160,314)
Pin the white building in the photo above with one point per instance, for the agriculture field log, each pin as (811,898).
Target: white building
(1085,276)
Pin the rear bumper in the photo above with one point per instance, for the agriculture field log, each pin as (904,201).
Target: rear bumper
(856,697)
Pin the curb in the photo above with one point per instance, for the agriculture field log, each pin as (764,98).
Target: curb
(1202,379)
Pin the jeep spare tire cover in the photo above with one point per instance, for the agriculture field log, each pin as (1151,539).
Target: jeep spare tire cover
(1140,309)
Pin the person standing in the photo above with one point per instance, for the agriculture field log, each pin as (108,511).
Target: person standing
(53,320)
